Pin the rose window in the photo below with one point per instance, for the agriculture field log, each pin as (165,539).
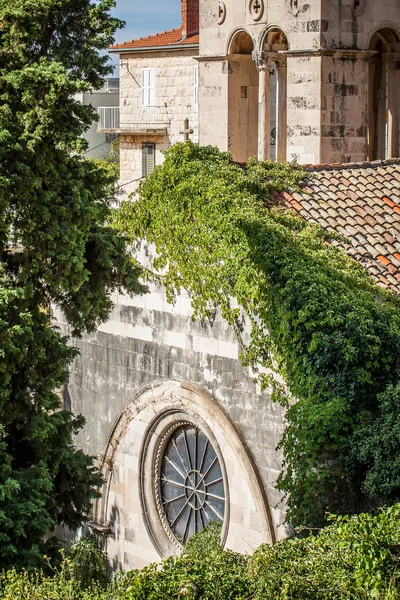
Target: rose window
(191,482)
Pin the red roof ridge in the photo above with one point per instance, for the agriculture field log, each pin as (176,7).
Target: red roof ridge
(170,37)
(351,165)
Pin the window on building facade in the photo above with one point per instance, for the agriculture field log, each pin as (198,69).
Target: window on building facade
(191,482)
(148,87)
(148,158)
(196,85)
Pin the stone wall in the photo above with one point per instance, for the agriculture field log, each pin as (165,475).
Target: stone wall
(149,359)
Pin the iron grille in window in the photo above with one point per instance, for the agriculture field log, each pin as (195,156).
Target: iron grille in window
(191,483)
(148,158)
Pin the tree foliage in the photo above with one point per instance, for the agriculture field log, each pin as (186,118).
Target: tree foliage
(55,247)
(317,319)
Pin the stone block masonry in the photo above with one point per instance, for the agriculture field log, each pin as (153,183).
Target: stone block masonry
(147,342)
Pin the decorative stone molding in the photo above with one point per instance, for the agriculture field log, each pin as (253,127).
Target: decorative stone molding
(294,7)
(335,53)
(260,59)
(256,9)
(221,12)
(358,6)
(156,411)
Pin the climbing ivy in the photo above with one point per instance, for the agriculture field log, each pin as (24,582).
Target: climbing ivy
(318,319)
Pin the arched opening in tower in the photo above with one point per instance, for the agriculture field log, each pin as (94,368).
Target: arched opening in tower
(242,98)
(273,101)
(384,95)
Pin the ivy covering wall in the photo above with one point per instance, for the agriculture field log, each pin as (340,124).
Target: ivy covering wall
(318,320)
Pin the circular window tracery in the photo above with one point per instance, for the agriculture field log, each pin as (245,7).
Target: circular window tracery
(191,482)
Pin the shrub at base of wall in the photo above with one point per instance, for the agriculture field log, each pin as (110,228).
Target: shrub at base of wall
(354,557)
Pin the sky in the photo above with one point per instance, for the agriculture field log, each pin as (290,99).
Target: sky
(145,17)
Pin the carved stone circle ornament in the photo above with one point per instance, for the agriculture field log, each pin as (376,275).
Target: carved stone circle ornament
(256,9)
(358,6)
(221,12)
(294,7)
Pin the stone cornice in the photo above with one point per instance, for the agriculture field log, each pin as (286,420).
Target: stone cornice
(334,52)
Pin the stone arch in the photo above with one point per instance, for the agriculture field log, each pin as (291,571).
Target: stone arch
(242,95)
(240,41)
(273,39)
(126,502)
(385,25)
(272,44)
(383,95)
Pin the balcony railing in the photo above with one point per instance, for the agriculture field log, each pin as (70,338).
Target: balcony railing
(139,120)
(109,119)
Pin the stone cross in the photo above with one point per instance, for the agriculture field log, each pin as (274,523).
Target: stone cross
(256,7)
(186,131)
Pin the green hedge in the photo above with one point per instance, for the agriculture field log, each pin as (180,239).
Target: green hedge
(352,558)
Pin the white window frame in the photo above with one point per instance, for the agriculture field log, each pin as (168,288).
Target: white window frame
(196,86)
(148,87)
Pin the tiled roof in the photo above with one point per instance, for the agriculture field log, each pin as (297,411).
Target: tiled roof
(171,38)
(360,201)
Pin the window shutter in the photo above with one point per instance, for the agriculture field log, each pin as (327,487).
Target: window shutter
(152,87)
(148,87)
(144,161)
(144,86)
(148,158)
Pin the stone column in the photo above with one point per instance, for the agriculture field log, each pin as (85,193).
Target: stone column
(281,119)
(264,118)
(393,112)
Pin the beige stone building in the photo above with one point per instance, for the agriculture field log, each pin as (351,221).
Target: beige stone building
(183,434)
(159,95)
(337,78)
(286,79)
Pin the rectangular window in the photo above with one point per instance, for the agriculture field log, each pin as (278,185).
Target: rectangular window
(196,85)
(148,158)
(148,87)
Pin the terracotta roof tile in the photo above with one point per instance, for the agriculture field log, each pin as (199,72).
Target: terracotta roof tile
(361,201)
(173,38)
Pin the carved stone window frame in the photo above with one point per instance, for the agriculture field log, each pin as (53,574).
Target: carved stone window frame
(256,9)
(155,441)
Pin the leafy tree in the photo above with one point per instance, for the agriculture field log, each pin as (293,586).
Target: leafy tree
(317,318)
(55,247)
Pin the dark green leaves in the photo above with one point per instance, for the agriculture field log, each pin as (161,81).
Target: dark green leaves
(56,247)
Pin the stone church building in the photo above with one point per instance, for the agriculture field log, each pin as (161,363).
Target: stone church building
(182,433)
